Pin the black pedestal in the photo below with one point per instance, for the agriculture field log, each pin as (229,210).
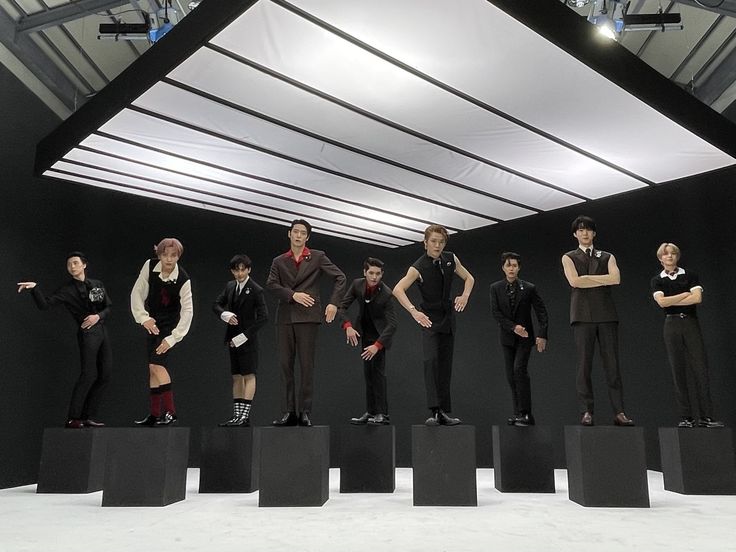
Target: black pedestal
(523,460)
(606,466)
(443,462)
(294,466)
(368,459)
(146,466)
(698,460)
(72,461)
(229,460)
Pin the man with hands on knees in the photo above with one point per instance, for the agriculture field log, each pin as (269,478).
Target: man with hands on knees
(294,279)
(374,326)
(433,273)
(89,304)
(161,302)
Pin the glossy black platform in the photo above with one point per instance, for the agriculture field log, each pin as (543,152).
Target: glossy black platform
(698,460)
(368,459)
(72,460)
(229,460)
(606,466)
(294,466)
(146,466)
(443,462)
(523,460)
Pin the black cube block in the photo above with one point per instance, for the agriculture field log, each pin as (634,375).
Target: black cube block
(229,460)
(368,459)
(523,459)
(72,461)
(294,466)
(146,466)
(698,460)
(606,466)
(443,462)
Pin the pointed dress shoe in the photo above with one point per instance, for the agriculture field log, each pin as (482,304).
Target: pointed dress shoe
(92,423)
(149,420)
(524,420)
(623,420)
(74,424)
(287,420)
(379,419)
(709,422)
(587,419)
(361,420)
(433,420)
(167,418)
(447,420)
(304,420)
(686,421)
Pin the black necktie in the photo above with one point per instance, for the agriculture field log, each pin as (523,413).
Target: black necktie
(240,289)
(589,252)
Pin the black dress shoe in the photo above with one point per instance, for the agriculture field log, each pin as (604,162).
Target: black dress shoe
(433,420)
(92,423)
(361,420)
(686,421)
(74,424)
(447,420)
(304,420)
(167,418)
(149,420)
(511,420)
(229,422)
(288,419)
(587,419)
(524,420)
(709,422)
(622,419)
(378,419)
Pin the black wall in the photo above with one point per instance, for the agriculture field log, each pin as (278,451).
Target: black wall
(43,219)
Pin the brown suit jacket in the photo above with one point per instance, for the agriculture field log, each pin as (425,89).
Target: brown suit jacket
(284,279)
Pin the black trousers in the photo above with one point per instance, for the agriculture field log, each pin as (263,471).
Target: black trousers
(374,372)
(438,349)
(297,340)
(686,353)
(516,358)
(96,368)
(606,334)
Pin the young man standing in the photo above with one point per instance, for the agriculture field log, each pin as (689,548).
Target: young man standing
(375,325)
(161,302)
(678,292)
(88,303)
(294,280)
(512,301)
(242,307)
(591,273)
(433,272)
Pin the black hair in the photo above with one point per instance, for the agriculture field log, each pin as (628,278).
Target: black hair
(372,261)
(79,254)
(239,259)
(583,222)
(510,256)
(303,223)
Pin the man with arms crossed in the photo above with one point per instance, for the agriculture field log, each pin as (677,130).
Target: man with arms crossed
(433,272)
(591,273)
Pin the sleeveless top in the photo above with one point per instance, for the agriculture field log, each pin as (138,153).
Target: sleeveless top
(591,304)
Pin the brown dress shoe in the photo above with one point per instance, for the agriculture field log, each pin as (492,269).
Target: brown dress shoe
(622,420)
(587,419)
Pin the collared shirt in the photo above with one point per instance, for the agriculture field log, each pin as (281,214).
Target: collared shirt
(306,253)
(674,284)
(225,316)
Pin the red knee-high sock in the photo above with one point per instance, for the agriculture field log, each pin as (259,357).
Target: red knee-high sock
(155,399)
(167,398)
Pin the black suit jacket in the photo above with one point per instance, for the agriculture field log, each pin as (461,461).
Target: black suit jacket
(250,308)
(522,314)
(380,309)
(285,278)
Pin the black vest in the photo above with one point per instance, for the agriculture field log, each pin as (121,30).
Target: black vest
(163,302)
(591,304)
(435,286)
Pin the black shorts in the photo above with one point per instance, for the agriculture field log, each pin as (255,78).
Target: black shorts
(243,361)
(152,344)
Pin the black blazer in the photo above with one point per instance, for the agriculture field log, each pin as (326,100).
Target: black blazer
(250,308)
(522,314)
(380,309)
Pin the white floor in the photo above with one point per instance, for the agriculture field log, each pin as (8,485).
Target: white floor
(370,522)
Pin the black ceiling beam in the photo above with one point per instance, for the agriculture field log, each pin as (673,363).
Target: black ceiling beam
(68,12)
